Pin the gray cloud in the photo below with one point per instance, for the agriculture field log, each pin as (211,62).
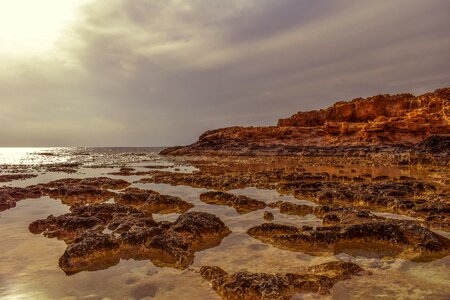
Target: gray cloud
(135,72)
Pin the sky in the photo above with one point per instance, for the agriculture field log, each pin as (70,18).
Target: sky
(159,73)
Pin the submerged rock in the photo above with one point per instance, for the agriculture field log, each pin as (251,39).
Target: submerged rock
(247,285)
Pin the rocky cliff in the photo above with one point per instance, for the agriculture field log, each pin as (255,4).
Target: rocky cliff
(381,121)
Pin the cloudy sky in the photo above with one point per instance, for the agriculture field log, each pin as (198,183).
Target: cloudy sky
(154,72)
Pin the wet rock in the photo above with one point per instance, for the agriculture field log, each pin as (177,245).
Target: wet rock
(77,191)
(242,204)
(63,168)
(246,285)
(80,194)
(433,150)
(372,238)
(410,197)
(338,215)
(103,216)
(268,216)
(124,171)
(292,209)
(199,180)
(98,182)
(12,177)
(10,195)
(90,251)
(152,201)
(99,235)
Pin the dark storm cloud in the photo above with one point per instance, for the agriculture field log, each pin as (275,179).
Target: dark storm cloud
(161,72)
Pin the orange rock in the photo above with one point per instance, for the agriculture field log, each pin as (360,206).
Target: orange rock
(382,120)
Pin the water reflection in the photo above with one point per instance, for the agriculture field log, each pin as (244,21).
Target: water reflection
(29,263)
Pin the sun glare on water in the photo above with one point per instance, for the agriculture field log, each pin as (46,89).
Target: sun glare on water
(32,26)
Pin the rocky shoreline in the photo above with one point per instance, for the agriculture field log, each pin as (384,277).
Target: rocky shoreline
(403,129)
(372,175)
(111,219)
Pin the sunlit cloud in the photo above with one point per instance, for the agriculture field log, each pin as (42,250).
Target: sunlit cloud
(135,72)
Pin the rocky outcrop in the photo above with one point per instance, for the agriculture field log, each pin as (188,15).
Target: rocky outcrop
(242,204)
(98,182)
(401,195)
(151,201)
(77,191)
(12,177)
(398,120)
(355,233)
(246,285)
(9,196)
(99,235)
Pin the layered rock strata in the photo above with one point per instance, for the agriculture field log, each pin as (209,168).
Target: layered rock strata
(366,125)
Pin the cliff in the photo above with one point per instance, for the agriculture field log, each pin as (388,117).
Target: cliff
(401,120)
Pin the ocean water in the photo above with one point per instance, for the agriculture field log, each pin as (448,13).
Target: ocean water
(87,156)
(29,263)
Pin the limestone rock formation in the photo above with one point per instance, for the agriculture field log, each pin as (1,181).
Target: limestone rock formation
(397,120)
(242,204)
(247,285)
(99,235)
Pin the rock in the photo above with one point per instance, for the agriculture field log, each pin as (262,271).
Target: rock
(152,201)
(12,177)
(80,194)
(412,197)
(77,191)
(99,235)
(395,120)
(98,182)
(268,216)
(10,195)
(292,209)
(246,285)
(374,238)
(242,204)
(124,171)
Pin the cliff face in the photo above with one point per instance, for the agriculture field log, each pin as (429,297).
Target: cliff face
(382,120)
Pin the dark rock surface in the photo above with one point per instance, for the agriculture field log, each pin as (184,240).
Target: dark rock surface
(247,285)
(152,201)
(99,235)
(242,204)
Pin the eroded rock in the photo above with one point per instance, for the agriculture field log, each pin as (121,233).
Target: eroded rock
(371,238)
(390,120)
(152,201)
(246,285)
(242,204)
(10,195)
(99,235)
(12,177)
(77,191)
(292,209)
